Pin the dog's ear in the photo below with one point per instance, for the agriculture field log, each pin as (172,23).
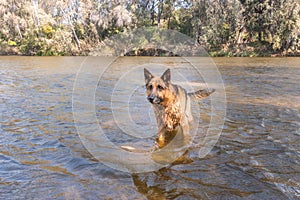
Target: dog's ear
(148,75)
(166,77)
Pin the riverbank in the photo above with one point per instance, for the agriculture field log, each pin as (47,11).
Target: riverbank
(253,49)
(242,50)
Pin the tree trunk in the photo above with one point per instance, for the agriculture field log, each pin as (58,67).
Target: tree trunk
(19,31)
(260,36)
(240,35)
(36,7)
(153,13)
(160,9)
(72,28)
(75,36)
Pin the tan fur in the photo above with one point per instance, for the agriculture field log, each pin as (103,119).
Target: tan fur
(171,104)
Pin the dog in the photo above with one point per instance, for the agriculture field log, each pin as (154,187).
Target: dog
(171,104)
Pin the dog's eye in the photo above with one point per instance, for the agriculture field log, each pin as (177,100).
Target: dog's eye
(150,87)
(160,87)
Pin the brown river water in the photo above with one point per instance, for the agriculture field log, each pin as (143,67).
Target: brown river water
(42,156)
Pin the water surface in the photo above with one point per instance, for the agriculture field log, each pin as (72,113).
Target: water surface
(42,156)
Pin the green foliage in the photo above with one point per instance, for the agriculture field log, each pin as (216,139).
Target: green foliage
(48,30)
(79,30)
(224,28)
(31,45)
(11,43)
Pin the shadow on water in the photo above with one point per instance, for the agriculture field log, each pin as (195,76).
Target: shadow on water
(42,156)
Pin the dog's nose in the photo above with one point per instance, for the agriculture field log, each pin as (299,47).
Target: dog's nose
(150,98)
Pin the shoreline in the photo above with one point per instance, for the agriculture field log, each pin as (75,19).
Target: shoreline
(245,51)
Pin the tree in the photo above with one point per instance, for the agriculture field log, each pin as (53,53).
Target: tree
(72,27)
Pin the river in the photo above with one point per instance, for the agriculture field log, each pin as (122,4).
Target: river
(42,155)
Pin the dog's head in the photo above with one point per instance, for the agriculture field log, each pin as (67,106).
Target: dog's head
(157,87)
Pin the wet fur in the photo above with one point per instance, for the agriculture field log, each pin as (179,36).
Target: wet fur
(171,104)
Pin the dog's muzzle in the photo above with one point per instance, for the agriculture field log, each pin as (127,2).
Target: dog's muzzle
(153,99)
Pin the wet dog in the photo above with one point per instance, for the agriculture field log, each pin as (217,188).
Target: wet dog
(171,104)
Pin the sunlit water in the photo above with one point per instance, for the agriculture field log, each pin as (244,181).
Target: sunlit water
(42,156)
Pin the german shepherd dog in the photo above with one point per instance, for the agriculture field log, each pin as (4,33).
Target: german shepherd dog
(171,104)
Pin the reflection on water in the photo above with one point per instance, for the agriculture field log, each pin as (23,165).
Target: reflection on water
(257,156)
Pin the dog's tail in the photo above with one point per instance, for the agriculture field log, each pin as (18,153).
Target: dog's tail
(201,93)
